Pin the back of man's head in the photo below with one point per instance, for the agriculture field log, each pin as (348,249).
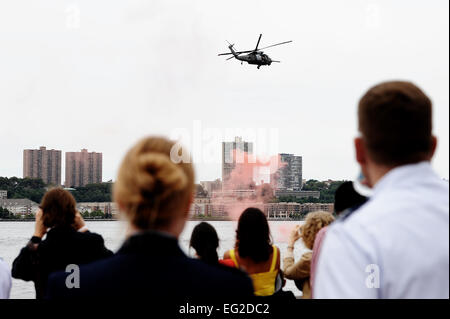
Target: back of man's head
(395,120)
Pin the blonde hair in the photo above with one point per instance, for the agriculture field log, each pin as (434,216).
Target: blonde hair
(150,187)
(314,222)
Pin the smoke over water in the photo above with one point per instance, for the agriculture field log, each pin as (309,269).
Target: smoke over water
(251,183)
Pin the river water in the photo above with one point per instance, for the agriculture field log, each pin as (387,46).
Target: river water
(14,235)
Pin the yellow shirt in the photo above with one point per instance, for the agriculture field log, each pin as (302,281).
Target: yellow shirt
(263,282)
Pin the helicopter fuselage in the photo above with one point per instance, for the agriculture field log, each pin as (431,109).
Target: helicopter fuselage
(258,58)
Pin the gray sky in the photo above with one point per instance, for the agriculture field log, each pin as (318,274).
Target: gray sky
(101,74)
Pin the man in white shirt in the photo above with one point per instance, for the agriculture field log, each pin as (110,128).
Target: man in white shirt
(397,244)
(5,280)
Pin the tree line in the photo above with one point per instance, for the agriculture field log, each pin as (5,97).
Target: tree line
(34,189)
(96,214)
(326,189)
(31,188)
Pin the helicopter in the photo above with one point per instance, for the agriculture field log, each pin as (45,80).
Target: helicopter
(255,56)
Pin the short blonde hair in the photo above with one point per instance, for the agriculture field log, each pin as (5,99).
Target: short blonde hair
(314,222)
(150,187)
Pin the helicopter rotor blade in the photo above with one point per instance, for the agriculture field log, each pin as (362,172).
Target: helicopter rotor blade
(232,57)
(276,61)
(273,45)
(257,44)
(239,52)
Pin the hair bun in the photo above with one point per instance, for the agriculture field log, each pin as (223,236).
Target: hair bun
(158,175)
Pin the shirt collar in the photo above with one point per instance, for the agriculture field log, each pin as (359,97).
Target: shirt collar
(400,174)
(152,242)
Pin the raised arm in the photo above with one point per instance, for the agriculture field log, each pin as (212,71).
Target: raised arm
(25,266)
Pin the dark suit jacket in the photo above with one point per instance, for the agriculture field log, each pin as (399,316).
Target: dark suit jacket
(151,264)
(61,247)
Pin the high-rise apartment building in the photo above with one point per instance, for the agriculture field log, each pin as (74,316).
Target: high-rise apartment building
(83,168)
(234,153)
(44,164)
(289,175)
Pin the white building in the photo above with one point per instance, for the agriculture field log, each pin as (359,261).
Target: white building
(105,207)
(19,206)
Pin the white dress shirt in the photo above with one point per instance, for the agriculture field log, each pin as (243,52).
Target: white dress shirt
(395,246)
(5,280)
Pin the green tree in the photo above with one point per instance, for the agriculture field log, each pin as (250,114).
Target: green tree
(85,214)
(5,213)
(31,188)
(326,189)
(97,214)
(100,192)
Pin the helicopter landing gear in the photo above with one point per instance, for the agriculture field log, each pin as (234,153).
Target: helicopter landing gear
(258,67)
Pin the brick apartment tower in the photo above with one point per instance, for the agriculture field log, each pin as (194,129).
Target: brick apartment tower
(44,164)
(83,168)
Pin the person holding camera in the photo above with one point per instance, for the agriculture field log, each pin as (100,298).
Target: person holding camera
(300,271)
(255,254)
(67,242)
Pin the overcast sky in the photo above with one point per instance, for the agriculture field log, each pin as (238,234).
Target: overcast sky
(101,74)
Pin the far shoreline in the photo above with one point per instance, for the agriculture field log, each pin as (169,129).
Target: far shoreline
(212,219)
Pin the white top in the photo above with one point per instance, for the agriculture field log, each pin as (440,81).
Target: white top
(5,280)
(395,246)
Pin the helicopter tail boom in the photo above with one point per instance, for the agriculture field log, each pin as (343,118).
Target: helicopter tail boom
(231,47)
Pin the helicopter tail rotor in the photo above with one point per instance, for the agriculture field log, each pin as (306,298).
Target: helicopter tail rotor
(230,45)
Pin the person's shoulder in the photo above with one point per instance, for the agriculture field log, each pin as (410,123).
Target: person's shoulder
(278,252)
(227,255)
(90,274)
(90,237)
(56,285)
(214,270)
(352,233)
(219,274)
(364,218)
(69,233)
(390,207)
(4,266)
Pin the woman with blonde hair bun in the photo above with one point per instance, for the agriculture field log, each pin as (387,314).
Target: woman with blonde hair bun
(154,194)
(151,190)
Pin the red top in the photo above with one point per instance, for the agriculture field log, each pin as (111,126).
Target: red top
(227,262)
